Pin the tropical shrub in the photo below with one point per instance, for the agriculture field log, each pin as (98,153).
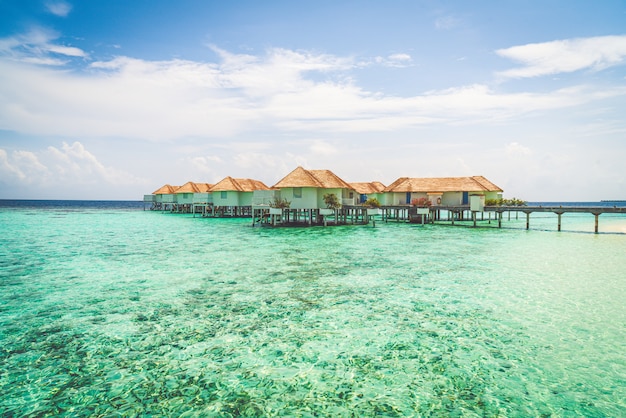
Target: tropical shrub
(279,203)
(505,202)
(331,201)
(371,202)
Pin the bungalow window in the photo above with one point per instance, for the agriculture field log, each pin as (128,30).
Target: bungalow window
(297,192)
(223,194)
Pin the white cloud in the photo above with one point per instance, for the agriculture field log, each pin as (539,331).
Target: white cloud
(38,47)
(65,166)
(203,164)
(256,160)
(322,148)
(394,60)
(447,22)
(565,56)
(170,99)
(515,148)
(58,8)
(282,91)
(9,170)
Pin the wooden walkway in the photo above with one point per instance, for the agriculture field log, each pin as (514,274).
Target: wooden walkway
(460,211)
(264,215)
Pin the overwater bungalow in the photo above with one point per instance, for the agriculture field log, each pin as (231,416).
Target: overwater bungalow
(299,199)
(305,189)
(203,199)
(371,190)
(305,192)
(440,191)
(233,197)
(162,197)
(184,196)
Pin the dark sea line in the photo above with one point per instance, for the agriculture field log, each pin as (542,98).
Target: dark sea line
(72,204)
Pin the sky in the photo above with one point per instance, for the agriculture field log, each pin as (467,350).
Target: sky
(110,100)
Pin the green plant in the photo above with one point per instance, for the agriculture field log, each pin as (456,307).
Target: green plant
(492,202)
(505,202)
(279,203)
(371,202)
(331,201)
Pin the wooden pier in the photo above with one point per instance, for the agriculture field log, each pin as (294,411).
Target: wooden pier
(464,212)
(263,215)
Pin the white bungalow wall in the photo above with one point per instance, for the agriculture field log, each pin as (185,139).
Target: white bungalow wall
(184,198)
(245,198)
(385,199)
(264,197)
(395,199)
(350,197)
(307,199)
(226,198)
(452,198)
(168,198)
(202,198)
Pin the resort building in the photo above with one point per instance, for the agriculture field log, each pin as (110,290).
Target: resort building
(233,197)
(185,195)
(162,197)
(305,189)
(302,197)
(203,198)
(372,190)
(440,191)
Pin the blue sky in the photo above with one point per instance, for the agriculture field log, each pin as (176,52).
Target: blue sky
(112,99)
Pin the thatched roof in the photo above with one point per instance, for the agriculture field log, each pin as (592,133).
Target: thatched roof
(166,189)
(442,184)
(239,185)
(189,187)
(323,179)
(204,187)
(368,188)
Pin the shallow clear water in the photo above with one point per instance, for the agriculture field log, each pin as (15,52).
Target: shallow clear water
(113,310)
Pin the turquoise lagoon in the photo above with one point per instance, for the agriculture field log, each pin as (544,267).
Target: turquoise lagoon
(109,310)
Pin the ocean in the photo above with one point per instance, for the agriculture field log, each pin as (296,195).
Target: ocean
(110,310)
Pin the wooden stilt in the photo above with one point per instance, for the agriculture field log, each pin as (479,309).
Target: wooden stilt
(558,214)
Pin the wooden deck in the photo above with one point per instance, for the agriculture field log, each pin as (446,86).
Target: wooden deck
(459,212)
(264,215)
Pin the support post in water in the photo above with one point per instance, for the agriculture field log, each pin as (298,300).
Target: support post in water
(559,220)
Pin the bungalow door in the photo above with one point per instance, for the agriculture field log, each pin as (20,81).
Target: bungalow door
(465,198)
(408,198)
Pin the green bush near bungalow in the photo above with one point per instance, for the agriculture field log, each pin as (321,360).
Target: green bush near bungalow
(505,202)
(371,202)
(331,201)
(280,203)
